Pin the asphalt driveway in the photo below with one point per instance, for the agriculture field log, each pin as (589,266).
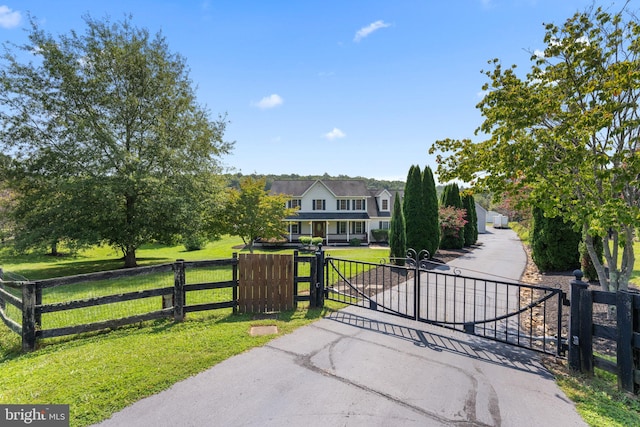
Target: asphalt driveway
(358,367)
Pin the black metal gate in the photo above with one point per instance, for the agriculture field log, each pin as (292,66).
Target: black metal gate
(513,313)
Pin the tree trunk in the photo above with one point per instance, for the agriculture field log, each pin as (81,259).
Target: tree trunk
(54,249)
(130,258)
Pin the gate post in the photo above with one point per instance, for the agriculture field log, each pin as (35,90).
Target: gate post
(316,293)
(575,332)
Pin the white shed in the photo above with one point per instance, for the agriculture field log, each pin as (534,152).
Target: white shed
(481,213)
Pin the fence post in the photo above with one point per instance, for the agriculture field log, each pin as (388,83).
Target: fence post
(317,286)
(2,303)
(179,280)
(624,345)
(28,316)
(577,287)
(295,279)
(235,283)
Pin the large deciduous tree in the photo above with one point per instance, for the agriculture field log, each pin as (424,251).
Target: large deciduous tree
(109,119)
(569,132)
(253,213)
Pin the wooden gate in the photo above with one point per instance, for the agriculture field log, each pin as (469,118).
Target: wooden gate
(265,283)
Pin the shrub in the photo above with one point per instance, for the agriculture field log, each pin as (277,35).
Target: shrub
(554,243)
(305,240)
(310,241)
(194,242)
(452,221)
(380,235)
(355,242)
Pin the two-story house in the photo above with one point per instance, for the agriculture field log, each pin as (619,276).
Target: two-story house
(336,210)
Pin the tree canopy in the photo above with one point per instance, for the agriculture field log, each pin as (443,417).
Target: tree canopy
(567,132)
(110,120)
(252,213)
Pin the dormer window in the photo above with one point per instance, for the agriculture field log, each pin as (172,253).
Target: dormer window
(385,204)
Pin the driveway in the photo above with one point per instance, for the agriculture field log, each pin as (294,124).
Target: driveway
(362,368)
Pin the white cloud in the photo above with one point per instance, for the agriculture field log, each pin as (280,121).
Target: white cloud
(9,18)
(270,101)
(539,53)
(334,134)
(365,31)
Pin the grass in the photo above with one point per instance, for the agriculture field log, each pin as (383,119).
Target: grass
(104,372)
(101,373)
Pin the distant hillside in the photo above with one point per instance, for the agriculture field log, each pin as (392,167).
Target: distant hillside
(234,180)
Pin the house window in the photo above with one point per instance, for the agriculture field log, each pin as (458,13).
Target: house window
(342,227)
(295,227)
(358,205)
(385,204)
(343,205)
(384,225)
(357,227)
(319,204)
(294,203)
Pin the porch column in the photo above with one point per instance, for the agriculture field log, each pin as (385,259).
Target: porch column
(326,231)
(348,230)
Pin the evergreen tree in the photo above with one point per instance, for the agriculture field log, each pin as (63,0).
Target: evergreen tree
(397,234)
(471,227)
(432,224)
(451,198)
(554,243)
(414,207)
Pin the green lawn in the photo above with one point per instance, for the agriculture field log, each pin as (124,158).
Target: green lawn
(104,372)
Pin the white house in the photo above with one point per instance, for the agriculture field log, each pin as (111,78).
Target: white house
(336,210)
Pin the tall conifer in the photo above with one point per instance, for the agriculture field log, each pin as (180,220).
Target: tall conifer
(397,235)
(432,224)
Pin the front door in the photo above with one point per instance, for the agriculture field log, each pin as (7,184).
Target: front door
(319,229)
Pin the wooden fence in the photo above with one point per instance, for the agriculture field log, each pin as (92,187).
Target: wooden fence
(27,298)
(259,283)
(625,333)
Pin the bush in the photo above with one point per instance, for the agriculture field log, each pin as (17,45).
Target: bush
(194,242)
(310,241)
(305,240)
(355,242)
(554,243)
(380,235)
(452,221)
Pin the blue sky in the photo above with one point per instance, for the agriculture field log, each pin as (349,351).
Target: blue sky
(358,88)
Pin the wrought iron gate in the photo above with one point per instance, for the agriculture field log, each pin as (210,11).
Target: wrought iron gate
(514,313)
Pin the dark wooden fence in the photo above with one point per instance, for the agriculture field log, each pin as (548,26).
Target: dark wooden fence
(26,297)
(259,283)
(625,334)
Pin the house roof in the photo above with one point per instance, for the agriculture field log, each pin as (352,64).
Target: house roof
(339,188)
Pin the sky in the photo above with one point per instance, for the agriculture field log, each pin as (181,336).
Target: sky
(343,87)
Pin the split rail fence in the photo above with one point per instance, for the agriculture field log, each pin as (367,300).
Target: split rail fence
(623,333)
(90,302)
